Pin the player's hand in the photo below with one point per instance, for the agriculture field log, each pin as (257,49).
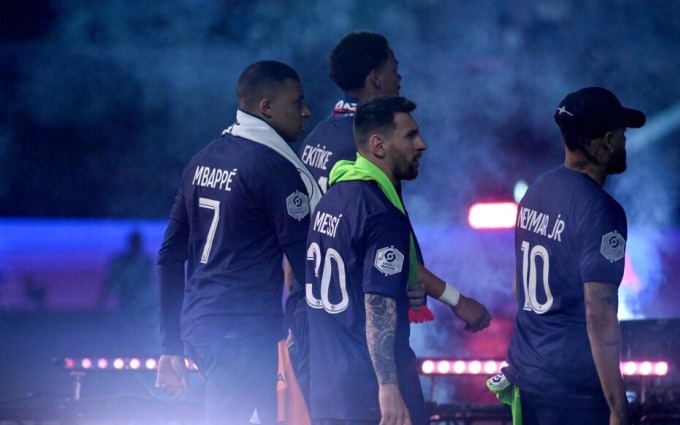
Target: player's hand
(393,410)
(416,295)
(171,376)
(474,314)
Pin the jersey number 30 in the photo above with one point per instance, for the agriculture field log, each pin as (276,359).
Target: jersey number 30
(530,276)
(332,257)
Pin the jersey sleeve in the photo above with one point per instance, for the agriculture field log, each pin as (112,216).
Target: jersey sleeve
(176,239)
(603,254)
(287,204)
(386,262)
(171,258)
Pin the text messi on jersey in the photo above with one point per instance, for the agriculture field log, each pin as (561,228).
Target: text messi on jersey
(326,223)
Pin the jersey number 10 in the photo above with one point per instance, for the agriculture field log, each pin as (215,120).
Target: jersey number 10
(530,276)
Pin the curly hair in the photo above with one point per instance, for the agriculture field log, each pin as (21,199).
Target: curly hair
(355,56)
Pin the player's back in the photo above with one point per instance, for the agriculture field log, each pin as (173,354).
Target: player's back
(561,223)
(351,223)
(240,199)
(330,141)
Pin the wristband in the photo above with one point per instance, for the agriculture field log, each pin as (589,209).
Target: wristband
(450,296)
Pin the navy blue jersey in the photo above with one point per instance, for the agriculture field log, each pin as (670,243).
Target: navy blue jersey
(569,231)
(240,206)
(358,243)
(331,141)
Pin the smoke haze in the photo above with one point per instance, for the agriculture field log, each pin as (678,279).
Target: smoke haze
(103,102)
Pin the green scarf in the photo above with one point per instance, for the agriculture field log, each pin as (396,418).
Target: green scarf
(508,394)
(365,170)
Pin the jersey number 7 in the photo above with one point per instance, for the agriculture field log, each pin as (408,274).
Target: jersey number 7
(213,205)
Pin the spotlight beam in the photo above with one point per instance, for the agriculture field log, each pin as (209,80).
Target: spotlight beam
(656,128)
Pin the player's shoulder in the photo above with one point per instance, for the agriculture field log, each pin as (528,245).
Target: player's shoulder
(364,197)
(329,132)
(566,184)
(573,194)
(587,191)
(250,154)
(241,157)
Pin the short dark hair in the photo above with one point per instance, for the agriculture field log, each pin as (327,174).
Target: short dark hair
(377,113)
(258,80)
(355,56)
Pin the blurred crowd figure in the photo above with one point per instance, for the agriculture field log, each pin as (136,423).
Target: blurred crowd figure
(35,291)
(130,284)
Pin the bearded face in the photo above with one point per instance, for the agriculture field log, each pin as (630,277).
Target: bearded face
(617,163)
(617,158)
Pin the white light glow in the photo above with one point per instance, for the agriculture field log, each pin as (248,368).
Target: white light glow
(475,367)
(427,367)
(519,190)
(492,367)
(150,363)
(496,215)
(459,366)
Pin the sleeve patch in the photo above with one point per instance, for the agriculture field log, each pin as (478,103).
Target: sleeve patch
(389,260)
(613,246)
(297,204)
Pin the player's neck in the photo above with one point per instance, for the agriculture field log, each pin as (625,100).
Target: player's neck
(583,165)
(363,93)
(387,170)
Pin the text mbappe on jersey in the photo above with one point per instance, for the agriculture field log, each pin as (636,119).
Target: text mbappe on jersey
(213,177)
(326,223)
(538,222)
(316,156)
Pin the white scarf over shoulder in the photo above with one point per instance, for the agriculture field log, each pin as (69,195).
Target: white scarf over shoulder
(258,131)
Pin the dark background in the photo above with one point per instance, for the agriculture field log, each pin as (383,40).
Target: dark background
(103,103)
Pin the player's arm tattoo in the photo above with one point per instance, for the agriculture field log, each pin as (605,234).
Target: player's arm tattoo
(381,325)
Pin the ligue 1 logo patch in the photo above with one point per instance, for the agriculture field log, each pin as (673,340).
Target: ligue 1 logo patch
(613,246)
(389,260)
(297,205)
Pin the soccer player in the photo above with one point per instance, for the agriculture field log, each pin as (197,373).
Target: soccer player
(570,241)
(363,65)
(242,204)
(360,259)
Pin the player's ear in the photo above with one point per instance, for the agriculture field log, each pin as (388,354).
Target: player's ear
(376,144)
(265,107)
(373,80)
(608,141)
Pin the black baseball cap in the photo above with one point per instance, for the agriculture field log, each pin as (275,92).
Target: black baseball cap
(593,111)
